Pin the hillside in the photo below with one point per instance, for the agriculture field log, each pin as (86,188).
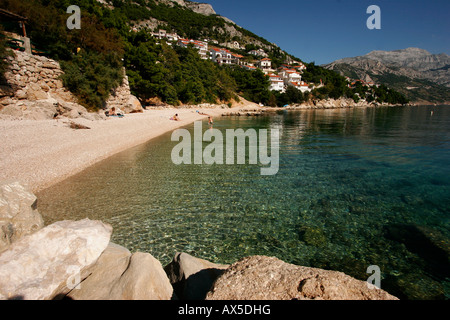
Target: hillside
(119,34)
(421,76)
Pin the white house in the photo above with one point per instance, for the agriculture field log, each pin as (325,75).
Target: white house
(237,59)
(299,67)
(289,75)
(304,87)
(266,65)
(222,56)
(276,83)
(162,34)
(202,48)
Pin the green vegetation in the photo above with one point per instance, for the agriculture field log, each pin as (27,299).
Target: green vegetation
(252,85)
(176,75)
(336,86)
(91,75)
(186,23)
(421,89)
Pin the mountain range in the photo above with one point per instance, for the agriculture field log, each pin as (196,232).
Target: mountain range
(421,76)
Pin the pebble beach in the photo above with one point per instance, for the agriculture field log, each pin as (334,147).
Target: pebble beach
(40,153)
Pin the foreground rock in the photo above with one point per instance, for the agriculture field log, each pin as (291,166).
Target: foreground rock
(267,278)
(192,277)
(18,214)
(120,275)
(49,262)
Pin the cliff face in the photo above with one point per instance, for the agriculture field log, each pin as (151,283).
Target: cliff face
(202,8)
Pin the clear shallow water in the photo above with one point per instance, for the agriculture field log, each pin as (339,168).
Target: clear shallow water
(356,187)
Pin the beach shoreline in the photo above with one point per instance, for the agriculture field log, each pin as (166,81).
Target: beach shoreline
(41,153)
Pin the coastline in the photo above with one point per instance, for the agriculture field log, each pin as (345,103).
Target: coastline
(41,153)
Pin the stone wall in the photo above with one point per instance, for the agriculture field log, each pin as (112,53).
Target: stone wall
(35,91)
(32,78)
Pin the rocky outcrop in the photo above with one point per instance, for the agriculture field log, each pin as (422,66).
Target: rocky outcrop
(331,104)
(192,277)
(49,262)
(202,8)
(267,278)
(74,259)
(18,214)
(121,98)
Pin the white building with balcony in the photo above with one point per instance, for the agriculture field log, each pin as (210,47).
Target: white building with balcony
(222,56)
(276,83)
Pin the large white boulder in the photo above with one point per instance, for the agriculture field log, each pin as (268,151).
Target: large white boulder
(51,261)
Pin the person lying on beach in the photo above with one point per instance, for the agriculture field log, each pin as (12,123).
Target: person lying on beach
(202,113)
(114,113)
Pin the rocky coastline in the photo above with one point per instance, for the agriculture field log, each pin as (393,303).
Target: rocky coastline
(76,260)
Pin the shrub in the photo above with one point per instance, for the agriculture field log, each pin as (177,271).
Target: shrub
(91,77)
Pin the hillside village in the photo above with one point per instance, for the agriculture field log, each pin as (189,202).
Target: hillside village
(288,74)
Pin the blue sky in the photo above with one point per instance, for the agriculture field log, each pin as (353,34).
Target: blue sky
(327,30)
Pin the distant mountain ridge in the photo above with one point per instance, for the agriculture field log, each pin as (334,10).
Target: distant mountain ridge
(421,76)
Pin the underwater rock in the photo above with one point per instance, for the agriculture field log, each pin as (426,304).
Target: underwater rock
(313,236)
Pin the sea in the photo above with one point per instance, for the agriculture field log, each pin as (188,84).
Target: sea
(356,188)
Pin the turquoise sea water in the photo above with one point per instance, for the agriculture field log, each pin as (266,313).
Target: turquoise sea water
(356,187)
